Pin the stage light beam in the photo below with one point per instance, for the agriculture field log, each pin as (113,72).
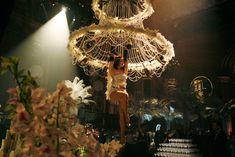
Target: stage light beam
(46,50)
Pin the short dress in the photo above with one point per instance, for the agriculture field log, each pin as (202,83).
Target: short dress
(116,82)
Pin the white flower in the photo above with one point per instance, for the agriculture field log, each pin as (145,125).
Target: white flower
(73,110)
(79,91)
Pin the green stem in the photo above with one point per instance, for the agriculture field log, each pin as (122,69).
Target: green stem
(25,100)
(58,112)
(58,126)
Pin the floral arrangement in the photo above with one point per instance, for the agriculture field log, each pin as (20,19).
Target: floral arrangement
(155,107)
(46,124)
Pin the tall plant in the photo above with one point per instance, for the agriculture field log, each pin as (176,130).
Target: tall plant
(46,123)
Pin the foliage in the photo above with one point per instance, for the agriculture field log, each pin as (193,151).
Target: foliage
(155,107)
(45,123)
(25,84)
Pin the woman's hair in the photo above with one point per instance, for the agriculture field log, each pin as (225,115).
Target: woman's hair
(116,62)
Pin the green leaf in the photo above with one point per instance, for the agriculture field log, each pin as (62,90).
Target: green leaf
(14,60)
(75,150)
(11,115)
(20,73)
(25,81)
(29,73)
(9,107)
(2,71)
(5,63)
(38,141)
(1,118)
(34,83)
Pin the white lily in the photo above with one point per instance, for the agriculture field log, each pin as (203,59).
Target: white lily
(79,91)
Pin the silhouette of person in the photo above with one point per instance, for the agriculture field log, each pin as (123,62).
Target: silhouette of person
(219,141)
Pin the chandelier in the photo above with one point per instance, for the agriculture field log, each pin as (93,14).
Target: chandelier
(121,26)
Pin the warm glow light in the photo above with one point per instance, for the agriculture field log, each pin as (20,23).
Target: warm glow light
(64,9)
(45,53)
(229,126)
(128,17)
(149,52)
(156,50)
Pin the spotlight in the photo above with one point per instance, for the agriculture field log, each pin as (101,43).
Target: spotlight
(64,9)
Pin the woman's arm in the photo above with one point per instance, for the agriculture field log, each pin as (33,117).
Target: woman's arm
(126,66)
(110,68)
(110,64)
(125,58)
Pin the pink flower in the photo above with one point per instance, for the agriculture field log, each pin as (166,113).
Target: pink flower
(63,89)
(67,154)
(42,109)
(46,149)
(22,115)
(13,91)
(37,95)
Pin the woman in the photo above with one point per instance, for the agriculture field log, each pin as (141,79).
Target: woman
(116,89)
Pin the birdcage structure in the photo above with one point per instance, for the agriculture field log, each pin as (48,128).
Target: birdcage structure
(121,28)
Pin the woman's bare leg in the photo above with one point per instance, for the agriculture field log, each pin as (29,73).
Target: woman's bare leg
(127,118)
(122,100)
(122,123)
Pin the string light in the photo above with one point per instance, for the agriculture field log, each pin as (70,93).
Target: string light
(121,23)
